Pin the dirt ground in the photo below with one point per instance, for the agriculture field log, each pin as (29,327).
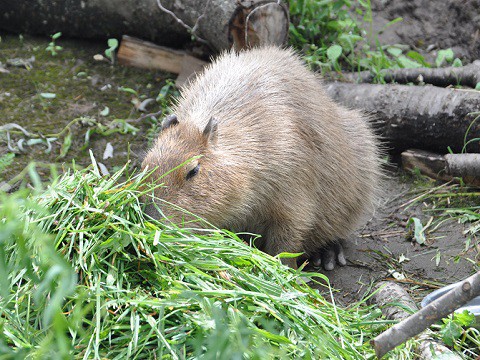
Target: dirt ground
(375,252)
(83,89)
(428,26)
(382,249)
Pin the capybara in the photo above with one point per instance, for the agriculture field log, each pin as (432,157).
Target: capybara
(271,154)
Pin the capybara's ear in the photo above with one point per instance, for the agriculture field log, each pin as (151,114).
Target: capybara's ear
(210,131)
(170,120)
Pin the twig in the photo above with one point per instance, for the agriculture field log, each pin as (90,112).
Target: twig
(180,21)
(468,75)
(10,126)
(195,27)
(436,310)
(9,145)
(147,116)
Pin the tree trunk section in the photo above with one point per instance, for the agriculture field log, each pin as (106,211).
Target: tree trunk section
(221,23)
(421,117)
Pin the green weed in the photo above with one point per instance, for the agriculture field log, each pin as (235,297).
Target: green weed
(332,38)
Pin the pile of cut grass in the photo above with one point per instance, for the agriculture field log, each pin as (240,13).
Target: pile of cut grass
(84,274)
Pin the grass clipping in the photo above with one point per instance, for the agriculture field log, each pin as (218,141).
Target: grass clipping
(84,274)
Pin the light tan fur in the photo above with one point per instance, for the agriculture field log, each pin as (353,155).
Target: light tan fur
(286,163)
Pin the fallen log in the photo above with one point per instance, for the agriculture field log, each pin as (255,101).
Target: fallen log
(146,55)
(444,167)
(220,23)
(421,117)
(468,75)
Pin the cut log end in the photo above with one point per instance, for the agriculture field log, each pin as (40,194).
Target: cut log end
(428,163)
(444,167)
(257,24)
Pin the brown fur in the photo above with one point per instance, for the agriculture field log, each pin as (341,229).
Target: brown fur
(286,162)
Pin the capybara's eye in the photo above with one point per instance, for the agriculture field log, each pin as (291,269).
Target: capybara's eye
(193,172)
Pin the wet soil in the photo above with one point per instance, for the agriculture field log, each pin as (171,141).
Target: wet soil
(386,248)
(82,88)
(428,26)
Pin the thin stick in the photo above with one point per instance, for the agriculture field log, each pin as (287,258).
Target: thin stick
(180,21)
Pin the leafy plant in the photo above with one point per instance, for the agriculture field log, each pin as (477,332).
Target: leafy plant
(318,25)
(419,230)
(331,39)
(167,94)
(458,326)
(52,47)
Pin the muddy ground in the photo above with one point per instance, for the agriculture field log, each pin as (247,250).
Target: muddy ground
(428,26)
(84,87)
(386,248)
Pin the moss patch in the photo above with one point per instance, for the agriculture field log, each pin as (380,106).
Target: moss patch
(82,87)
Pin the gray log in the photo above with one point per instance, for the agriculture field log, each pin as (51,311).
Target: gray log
(421,117)
(220,22)
(468,75)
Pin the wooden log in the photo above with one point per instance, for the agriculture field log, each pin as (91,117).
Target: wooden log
(146,55)
(421,117)
(428,163)
(463,165)
(468,75)
(221,23)
(444,167)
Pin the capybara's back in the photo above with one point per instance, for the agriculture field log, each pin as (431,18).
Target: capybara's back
(278,156)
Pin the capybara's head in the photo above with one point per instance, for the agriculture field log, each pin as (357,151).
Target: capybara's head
(190,172)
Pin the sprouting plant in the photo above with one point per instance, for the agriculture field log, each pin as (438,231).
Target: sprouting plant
(167,93)
(52,47)
(110,52)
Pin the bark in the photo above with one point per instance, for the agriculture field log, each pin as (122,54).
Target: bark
(219,22)
(463,165)
(468,75)
(436,310)
(421,117)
